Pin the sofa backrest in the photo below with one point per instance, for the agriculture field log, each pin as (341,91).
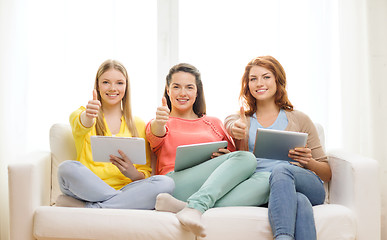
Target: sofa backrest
(63,148)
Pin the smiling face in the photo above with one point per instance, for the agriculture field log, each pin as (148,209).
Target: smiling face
(262,84)
(182,92)
(112,87)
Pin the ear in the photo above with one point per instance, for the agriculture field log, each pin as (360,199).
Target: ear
(167,88)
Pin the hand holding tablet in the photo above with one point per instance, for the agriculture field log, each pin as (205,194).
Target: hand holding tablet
(104,146)
(275,144)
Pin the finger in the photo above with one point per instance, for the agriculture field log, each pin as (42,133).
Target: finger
(242,113)
(93,105)
(240,125)
(298,155)
(124,157)
(163,111)
(95,94)
(302,150)
(164,102)
(224,150)
(117,164)
(116,159)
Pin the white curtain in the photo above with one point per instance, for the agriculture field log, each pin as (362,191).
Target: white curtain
(49,54)
(301,34)
(363,50)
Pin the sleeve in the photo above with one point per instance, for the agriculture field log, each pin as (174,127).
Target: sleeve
(228,122)
(313,141)
(76,124)
(78,130)
(230,140)
(155,142)
(218,127)
(145,169)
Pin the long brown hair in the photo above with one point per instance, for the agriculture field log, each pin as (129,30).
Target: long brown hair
(125,103)
(199,106)
(281,96)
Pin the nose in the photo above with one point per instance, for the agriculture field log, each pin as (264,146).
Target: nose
(259,81)
(183,92)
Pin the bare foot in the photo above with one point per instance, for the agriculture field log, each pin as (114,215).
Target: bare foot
(67,201)
(167,203)
(191,219)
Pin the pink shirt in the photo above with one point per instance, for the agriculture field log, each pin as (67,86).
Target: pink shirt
(182,132)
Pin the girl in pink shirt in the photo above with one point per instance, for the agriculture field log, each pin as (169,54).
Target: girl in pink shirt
(225,180)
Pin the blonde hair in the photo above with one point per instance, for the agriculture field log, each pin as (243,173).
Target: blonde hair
(125,103)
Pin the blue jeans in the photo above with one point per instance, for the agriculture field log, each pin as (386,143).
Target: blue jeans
(79,182)
(293,192)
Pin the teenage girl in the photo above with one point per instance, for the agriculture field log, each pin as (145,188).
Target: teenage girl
(225,180)
(294,188)
(119,184)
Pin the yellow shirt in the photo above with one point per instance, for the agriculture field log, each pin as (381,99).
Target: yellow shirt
(108,172)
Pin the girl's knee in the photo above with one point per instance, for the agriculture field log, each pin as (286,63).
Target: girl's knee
(247,157)
(302,199)
(165,183)
(67,167)
(281,171)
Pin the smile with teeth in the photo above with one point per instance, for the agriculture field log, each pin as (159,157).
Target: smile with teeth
(112,95)
(182,100)
(261,90)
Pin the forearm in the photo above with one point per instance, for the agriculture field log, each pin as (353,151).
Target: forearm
(322,169)
(157,129)
(86,121)
(136,175)
(229,122)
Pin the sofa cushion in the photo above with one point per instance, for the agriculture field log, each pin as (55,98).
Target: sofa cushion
(101,224)
(332,222)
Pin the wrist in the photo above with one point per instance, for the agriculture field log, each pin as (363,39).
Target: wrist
(230,129)
(158,129)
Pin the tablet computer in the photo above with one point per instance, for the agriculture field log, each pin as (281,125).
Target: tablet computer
(275,144)
(103,146)
(191,155)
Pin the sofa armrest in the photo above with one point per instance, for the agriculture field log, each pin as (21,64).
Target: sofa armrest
(29,183)
(355,184)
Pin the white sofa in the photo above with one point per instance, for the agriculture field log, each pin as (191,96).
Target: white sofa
(352,210)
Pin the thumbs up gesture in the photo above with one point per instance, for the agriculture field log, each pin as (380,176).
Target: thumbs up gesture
(93,106)
(239,128)
(162,117)
(88,116)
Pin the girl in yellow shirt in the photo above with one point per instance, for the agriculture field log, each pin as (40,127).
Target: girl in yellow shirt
(119,184)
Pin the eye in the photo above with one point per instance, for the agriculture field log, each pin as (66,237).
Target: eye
(253,79)
(105,82)
(121,83)
(266,77)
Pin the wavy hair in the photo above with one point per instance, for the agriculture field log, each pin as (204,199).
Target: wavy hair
(199,106)
(281,96)
(125,103)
